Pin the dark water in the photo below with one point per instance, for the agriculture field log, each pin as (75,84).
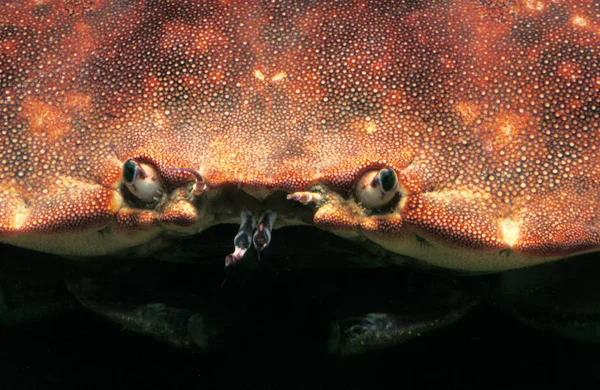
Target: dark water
(484,351)
(284,345)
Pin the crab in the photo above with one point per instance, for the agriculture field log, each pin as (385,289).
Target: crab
(460,134)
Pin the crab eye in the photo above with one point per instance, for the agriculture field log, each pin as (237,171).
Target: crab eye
(377,188)
(388,180)
(142,180)
(130,169)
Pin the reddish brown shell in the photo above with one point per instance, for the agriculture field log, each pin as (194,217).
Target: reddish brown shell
(488,111)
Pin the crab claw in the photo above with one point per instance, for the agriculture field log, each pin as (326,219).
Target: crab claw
(242,240)
(262,234)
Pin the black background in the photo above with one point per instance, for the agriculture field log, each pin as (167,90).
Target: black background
(487,349)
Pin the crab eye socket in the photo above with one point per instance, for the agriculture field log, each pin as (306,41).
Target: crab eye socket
(130,169)
(376,189)
(142,180)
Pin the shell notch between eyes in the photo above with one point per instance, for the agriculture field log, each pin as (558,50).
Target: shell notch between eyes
(142,180)
(376,189)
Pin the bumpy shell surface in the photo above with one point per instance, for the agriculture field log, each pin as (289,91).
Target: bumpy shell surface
(487,110)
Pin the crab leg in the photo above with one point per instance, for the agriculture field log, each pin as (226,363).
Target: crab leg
(262,234)
(242,240)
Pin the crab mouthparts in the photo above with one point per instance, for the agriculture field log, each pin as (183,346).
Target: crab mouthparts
(258,211)
(251,233)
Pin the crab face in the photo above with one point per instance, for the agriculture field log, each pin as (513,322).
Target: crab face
(463,133)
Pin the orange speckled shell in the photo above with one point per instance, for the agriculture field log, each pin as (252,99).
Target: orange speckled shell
(488,110)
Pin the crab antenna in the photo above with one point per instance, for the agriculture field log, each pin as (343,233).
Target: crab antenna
(262,233)
(242,240)
(199,183)
(306,197)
